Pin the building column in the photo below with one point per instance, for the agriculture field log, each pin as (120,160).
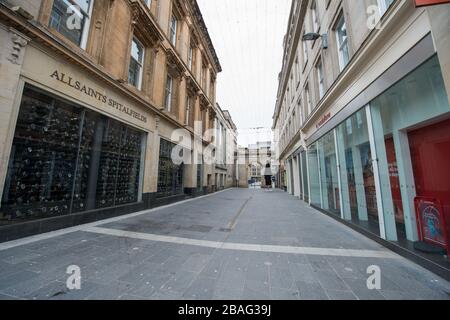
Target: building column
(301,176)
(323,177)
(152,160)
(407,183)
(208,81)
(386,214)
(288,177)
(346,209)
(12,55)
(184,40)
(190,175)
(159,78)
(198,64)
(296,174)
(359,184)
(182,94)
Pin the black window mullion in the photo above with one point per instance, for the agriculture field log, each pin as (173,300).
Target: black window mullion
(77,163)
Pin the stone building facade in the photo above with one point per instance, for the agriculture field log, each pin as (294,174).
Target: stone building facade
(92,92)
(225,140)
(363,111)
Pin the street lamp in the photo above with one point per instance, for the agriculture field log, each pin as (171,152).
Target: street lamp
(314,36)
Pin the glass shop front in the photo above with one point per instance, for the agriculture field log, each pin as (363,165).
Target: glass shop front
(361,178)
(171,175)
(68,159)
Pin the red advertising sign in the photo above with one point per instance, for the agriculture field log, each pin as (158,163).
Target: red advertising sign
(431,222)
(423,3)
(324,120)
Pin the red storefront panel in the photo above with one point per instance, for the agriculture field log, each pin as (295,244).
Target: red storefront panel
(430,153)
(394,180)
(422,3)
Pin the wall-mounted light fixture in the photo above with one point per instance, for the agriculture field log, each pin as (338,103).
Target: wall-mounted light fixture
(314,36)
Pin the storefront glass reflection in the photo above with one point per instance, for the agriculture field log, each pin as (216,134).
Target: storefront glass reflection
(329,174)
(410,103)
(314,175)
(67,159)
(358,182)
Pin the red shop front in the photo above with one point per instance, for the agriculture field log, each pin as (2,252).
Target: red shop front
(430,155)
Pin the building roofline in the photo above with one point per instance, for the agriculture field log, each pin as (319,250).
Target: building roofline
(198,15)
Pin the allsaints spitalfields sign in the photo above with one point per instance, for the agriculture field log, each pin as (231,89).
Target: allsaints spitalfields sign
(95,94)
(422,3)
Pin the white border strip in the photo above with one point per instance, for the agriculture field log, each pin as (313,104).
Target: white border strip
(246,247)
(83,227)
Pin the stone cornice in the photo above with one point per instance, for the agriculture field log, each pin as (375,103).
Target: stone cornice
(197,15)
(143,19)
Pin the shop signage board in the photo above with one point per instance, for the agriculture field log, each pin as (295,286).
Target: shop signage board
(95,94)
(423,3)
(431,222)
(323,120)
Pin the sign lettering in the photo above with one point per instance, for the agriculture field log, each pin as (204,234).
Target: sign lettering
(95,94)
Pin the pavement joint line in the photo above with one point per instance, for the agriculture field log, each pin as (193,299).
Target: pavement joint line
(234,222)
(245,247)
(53,234)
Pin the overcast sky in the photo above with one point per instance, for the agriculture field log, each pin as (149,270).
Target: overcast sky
(248,37)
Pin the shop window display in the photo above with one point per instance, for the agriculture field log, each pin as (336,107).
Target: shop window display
(170,178)
(59,165)
(408,105)
(357,176)
(329,174)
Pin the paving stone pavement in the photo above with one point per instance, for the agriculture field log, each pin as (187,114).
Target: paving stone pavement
(261,224)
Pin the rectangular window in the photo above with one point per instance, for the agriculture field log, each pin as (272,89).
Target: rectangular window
(71,18)
(188,110)
(191,57)
(169,91)
(136,64)
(308,101)
(305,51)
(315,17)
(320,78)
(342,43)
(296,73)
(173,30)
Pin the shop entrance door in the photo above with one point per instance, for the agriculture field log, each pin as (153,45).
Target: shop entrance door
(430,155)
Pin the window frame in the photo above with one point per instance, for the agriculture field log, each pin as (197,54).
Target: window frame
(320,77)
(140,64)
(168,92)
(87,15)
(340,24)
(315,20)
(173,29)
